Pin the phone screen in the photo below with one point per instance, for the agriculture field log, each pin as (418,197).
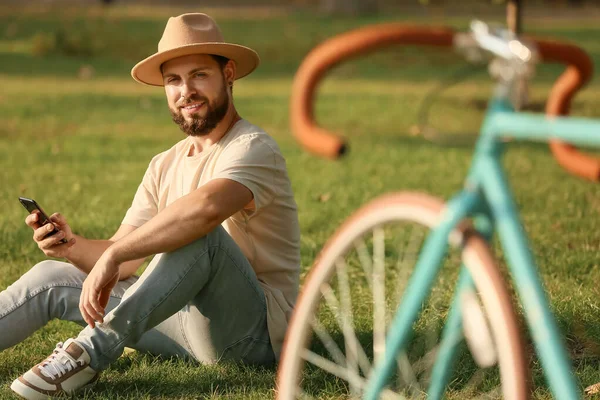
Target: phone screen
(31,205)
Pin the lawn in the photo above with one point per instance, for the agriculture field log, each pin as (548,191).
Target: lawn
(77,133)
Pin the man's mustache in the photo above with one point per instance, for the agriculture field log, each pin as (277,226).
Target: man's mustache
(193,99)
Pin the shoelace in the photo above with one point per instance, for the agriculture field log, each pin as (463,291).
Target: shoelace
(58,364)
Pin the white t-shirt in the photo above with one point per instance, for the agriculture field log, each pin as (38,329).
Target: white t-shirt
(268,234)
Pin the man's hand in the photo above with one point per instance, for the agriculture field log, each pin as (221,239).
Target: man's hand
(97,287)
(51,245)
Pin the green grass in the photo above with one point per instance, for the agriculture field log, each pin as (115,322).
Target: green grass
(80,146)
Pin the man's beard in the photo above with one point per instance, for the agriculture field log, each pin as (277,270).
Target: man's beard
(201,126)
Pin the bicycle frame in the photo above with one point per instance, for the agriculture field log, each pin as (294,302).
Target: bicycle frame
(487,198)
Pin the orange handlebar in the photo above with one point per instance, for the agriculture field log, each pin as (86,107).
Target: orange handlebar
(578,73)
(365,40)
(332,52)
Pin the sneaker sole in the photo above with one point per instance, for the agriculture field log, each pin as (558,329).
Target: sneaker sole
(28,393)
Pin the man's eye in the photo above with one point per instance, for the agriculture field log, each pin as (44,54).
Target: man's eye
(199,74)
(172,79)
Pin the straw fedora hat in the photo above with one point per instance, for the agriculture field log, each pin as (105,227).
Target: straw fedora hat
(192,34)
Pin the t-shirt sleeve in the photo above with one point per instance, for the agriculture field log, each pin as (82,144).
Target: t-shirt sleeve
(145,202)
(253,163)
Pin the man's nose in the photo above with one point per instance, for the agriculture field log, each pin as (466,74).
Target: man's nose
(187,90)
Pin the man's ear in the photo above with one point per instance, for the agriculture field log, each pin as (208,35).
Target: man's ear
(229,72)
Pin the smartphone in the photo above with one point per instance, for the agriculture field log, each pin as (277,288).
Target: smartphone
(31,205)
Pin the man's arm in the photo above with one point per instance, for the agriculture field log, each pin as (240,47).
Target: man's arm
(86,252)
(185,220)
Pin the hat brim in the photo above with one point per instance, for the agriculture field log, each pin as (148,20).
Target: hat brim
(148,70)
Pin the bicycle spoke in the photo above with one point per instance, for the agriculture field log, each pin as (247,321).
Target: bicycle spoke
(432,336)
(387,394)
(349,376)
(405,265)
(365,260)
(349,335)
(425,362)
(328,342)
(361,288)
(407,373)
(345,374)
(379,310)
(352,344)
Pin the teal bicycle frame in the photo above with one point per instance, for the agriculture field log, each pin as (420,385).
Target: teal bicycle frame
(486,197)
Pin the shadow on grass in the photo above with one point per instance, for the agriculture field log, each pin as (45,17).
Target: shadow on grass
(150,376)
(466,376)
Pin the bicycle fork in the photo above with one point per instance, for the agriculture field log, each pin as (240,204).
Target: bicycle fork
(452,333)
(419,287)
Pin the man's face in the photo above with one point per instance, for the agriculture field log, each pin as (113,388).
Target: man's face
(197,94)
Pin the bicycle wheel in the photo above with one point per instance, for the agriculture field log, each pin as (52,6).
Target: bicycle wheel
(339,324)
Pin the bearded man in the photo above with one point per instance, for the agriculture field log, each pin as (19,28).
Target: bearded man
(217,212)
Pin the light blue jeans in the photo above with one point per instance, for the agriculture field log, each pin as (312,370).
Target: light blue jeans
(201,301)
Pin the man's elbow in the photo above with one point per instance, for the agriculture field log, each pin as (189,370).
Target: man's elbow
(207,214)
(213,218)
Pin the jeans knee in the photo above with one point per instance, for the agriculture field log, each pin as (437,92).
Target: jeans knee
(48,272)
(52,287)
(212,238)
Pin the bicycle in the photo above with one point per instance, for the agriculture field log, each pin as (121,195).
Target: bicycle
(354,272)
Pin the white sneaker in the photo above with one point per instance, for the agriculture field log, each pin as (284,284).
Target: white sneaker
(66,370)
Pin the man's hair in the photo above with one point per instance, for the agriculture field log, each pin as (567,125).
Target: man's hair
(222,61)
